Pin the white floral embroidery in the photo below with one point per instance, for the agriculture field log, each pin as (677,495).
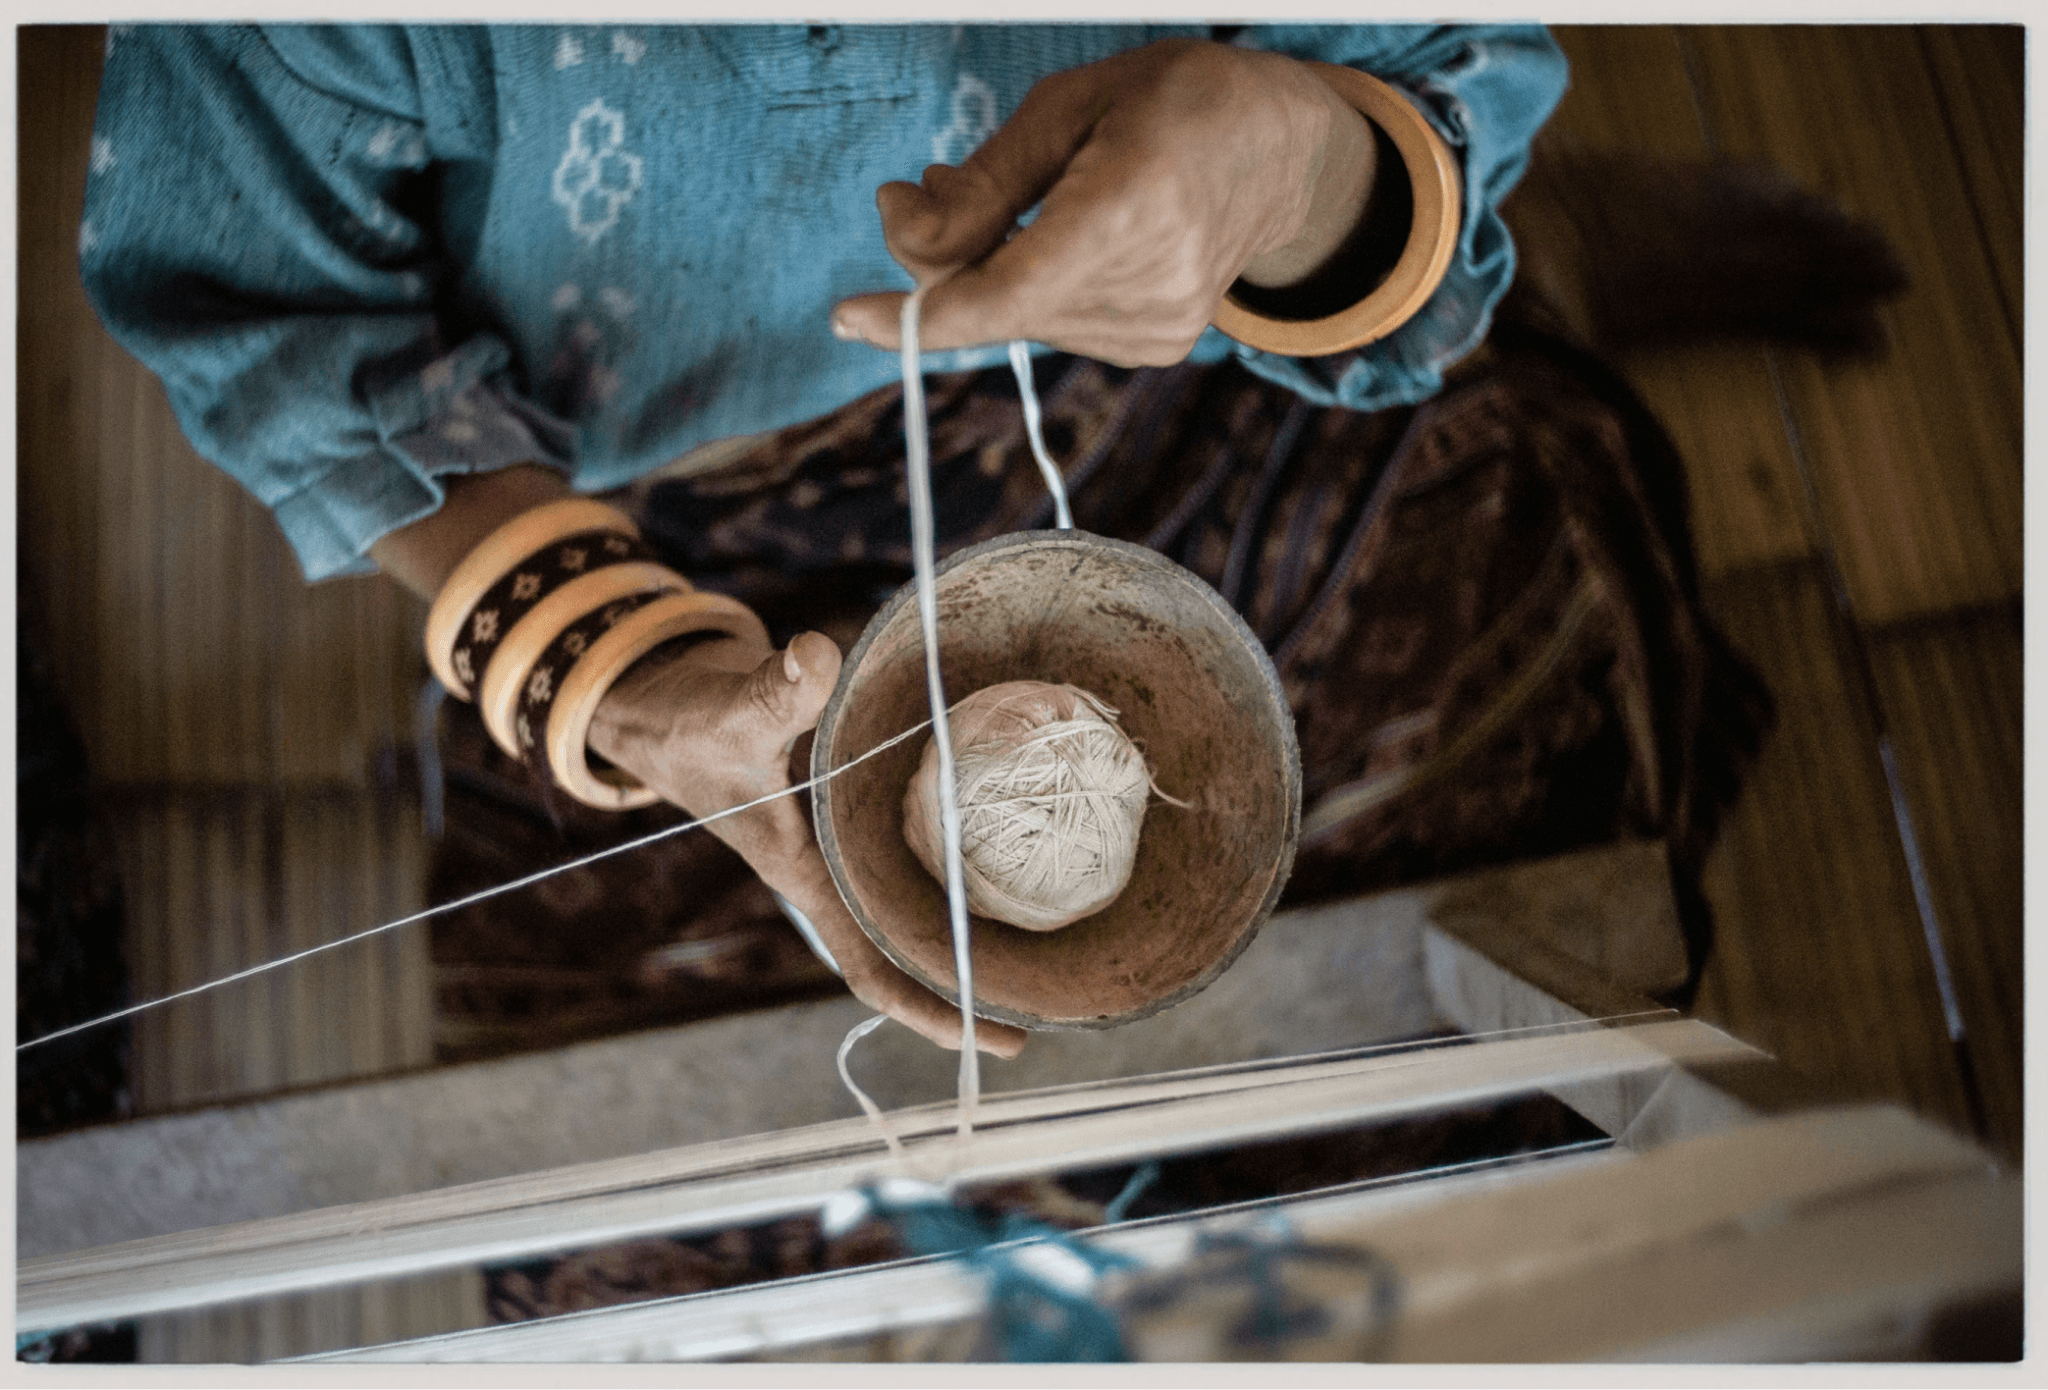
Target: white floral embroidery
(87,237)
(597,175)
(974,120)
(540,685)
(437,376)
(627,47)
(463,670)
(525,586)
(604,382)
(463,407)
(568,53)
(616,301)
(397,143)
(585,334)
(102,154)
(617,545)
(525,731)
(574,560)
(566,298)
(574,644)
(460,432)
(484,626)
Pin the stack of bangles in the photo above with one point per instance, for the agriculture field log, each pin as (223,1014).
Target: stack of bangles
(538,621)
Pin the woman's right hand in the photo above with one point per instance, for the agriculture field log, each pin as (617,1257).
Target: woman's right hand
(711,727)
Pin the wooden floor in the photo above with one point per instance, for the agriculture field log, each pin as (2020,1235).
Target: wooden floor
(1859,526)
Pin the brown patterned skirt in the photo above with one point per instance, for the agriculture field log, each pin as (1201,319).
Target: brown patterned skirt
(1483,610)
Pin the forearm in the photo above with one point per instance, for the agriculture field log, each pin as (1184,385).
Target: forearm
(422,556)
(633,722)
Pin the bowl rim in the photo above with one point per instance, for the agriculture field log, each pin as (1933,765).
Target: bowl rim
(827,726)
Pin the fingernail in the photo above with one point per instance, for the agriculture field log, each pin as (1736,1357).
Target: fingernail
(844,331)
(790,666)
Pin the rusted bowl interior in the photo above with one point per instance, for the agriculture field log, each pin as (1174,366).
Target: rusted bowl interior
(1194,689)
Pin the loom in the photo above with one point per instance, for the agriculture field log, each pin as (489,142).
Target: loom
(1733,1212)
(1197,693)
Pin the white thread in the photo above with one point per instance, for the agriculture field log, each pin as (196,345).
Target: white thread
(1020,363)
(917,462)
(476,897)
(874,1112)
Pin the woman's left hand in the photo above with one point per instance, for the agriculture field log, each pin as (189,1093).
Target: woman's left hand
(1163,174)
(712,727)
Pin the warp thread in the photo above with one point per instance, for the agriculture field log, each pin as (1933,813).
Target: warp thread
(1052,796)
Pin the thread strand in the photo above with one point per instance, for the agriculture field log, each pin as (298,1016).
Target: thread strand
(471,899)
(917,462)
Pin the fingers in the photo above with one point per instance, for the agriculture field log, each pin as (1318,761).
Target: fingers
(966,311)
(1112,268)
(787,692)
(1084,306)
(760,710)
(728,719)
(778,701)
(953,218)
(872,976)
(957,216)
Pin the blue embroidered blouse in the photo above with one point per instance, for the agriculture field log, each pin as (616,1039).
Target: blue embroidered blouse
(362,258)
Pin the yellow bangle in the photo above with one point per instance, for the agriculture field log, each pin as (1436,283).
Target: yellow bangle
(1432,169)
(497,695)
(493,558)
(603,662)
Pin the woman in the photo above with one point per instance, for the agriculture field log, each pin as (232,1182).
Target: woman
(414,285)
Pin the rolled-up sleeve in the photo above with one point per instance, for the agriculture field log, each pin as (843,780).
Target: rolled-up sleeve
(1487,89)
(258,232)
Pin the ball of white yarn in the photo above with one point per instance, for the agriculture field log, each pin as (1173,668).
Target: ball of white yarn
(1052,796)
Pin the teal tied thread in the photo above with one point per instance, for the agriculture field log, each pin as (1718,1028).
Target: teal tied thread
(1035,1317)
(1145,1175)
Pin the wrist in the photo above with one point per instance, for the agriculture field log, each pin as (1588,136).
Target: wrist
(1343,179)
(641,708)
(423,554)
(1347,274)
(1417,182)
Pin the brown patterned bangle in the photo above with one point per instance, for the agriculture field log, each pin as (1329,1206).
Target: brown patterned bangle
(493,558)
(525,587)
(497,695)
(575,697)
(536,693)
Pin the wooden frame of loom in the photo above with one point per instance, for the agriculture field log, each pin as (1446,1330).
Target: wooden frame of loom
(1884,1233)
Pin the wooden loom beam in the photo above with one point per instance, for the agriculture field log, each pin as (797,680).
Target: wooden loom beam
(1493,954)
(756,1180)
(1598,1255)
